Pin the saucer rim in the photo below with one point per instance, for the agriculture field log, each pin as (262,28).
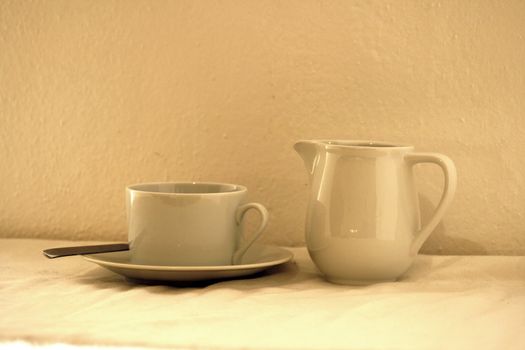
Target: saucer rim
(289,256)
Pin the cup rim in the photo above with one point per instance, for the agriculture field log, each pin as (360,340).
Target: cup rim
(236,188)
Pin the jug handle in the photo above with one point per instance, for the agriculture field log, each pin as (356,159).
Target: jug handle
(450,177)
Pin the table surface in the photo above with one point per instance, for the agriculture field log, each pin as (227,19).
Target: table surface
(453,302)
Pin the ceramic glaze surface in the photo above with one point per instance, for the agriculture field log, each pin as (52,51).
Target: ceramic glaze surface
(188,224)
(363,222)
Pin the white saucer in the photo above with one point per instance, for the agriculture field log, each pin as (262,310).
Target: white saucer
(256,259)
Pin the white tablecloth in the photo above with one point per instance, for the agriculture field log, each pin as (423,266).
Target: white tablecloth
(452,302)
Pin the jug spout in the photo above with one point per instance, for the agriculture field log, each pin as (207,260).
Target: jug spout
(308,150)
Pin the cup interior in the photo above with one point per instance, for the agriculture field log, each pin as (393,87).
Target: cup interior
(187,188)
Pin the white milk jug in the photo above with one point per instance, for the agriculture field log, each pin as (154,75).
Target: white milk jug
(363,220)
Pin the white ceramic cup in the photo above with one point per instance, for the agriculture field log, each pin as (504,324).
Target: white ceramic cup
(188,224)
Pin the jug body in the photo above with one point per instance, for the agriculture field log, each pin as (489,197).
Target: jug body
(363,216)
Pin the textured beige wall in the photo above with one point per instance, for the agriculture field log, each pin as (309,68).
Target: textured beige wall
(95,95)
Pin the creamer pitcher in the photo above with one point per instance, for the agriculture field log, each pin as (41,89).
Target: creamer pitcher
(363,219)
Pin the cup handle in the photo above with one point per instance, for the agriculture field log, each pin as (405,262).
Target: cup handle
(449,172)
(239,215)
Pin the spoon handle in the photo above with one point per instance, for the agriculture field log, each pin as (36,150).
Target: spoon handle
(87,249)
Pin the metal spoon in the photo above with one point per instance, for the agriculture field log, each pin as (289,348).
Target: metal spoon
(86,249)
